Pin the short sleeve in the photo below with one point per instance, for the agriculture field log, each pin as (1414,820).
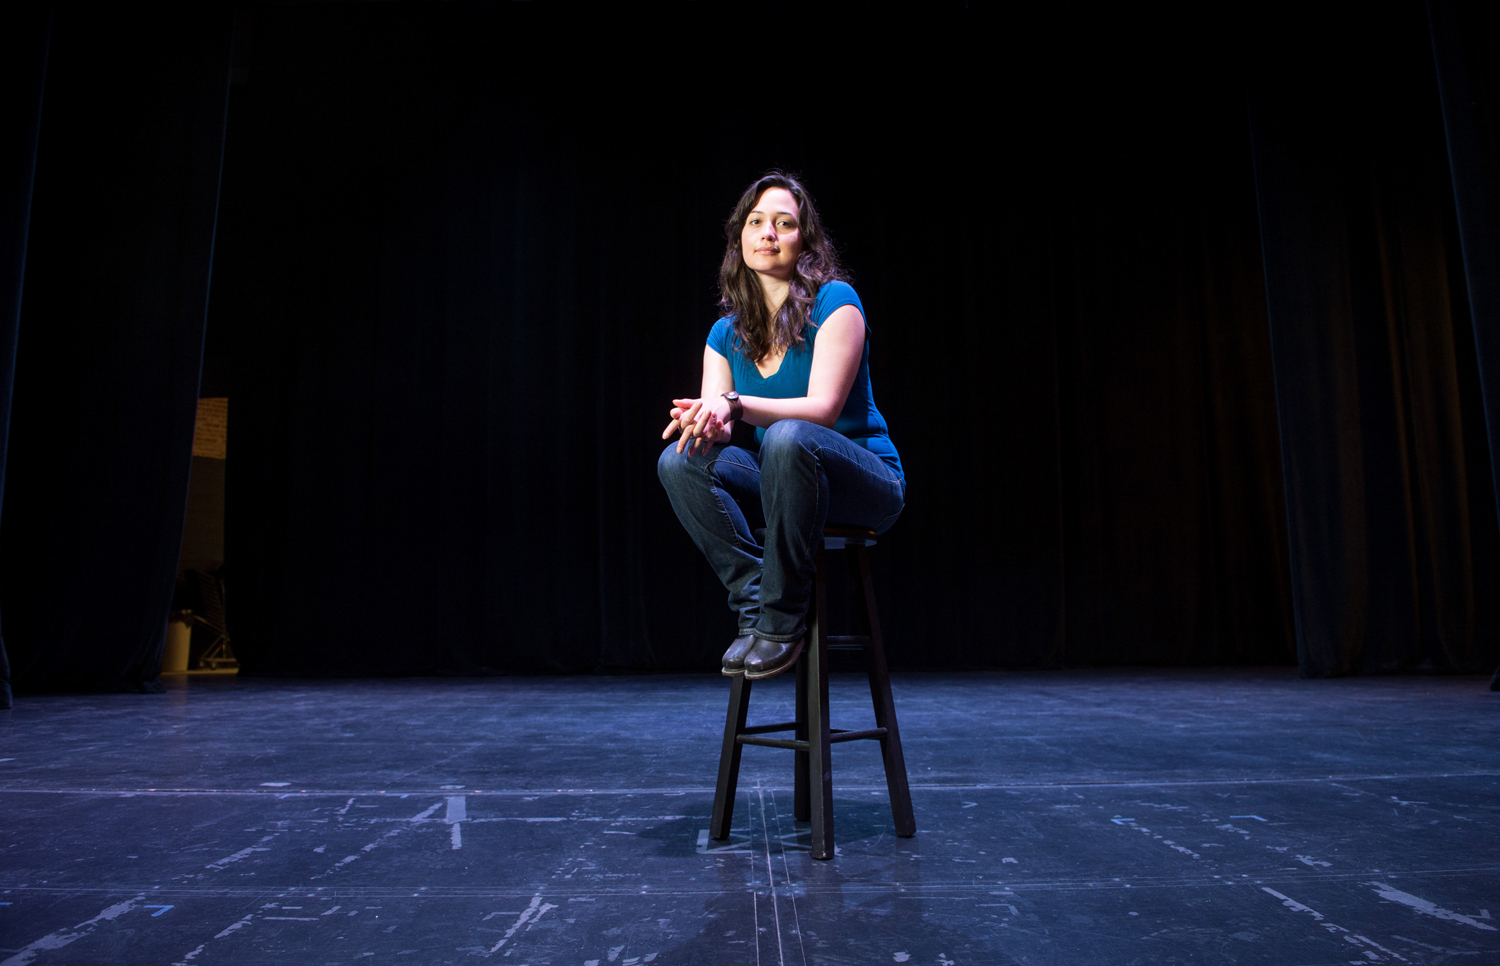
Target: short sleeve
(721,338)
(832,296)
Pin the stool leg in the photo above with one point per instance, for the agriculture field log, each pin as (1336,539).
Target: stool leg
(880,696)
(729,757)
(819,758)
(801,806)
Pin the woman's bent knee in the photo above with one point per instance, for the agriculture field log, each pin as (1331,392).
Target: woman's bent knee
(672,465)
(787,437)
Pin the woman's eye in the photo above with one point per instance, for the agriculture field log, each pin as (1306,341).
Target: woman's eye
(787,225)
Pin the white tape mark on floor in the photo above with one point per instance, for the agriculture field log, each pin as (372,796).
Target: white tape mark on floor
(187,960)
(530,914)
(1293,904)
(234,926)
(241,924)
(1421,905)
(421,816)
(1335,929)
(61,938)
(458,811)
(241,854)
(1356,937)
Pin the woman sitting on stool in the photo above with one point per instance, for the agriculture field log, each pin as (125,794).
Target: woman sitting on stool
(790,358)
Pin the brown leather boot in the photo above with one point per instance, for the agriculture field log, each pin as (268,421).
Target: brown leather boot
(734,658)
(769,658)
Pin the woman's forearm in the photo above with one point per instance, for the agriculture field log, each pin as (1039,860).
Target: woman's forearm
(762,411)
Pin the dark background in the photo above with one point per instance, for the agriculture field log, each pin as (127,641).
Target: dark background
(1180,327)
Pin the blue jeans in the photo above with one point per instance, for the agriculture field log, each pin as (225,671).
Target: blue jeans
(804,476)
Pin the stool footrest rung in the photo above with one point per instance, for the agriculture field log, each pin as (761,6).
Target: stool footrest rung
(767,729)
(772,742)
(847,642)
(751,736)
(856,735)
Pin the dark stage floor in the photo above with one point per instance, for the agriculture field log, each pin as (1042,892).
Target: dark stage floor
(1095,818)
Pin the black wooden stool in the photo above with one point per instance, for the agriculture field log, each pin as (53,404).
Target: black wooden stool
(813,782)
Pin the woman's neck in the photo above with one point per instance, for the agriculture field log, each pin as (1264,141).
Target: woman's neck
(775,291)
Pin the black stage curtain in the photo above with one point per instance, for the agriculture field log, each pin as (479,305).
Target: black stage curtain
(465,264)
(1387,480)
(23,61)
(111,338)
(465,257)
(1466,47)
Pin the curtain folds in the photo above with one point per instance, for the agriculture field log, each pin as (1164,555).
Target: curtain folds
(1369,326)
(111,339)
(1467,57)
(23,59)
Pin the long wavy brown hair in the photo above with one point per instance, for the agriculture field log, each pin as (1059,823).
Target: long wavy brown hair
(740,292)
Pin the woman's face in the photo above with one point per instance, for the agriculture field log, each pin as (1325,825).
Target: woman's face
(771,239)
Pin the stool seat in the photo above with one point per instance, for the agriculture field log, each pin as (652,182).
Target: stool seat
(836,537)
(813,737)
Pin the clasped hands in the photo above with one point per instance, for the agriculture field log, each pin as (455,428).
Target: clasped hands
(701,423)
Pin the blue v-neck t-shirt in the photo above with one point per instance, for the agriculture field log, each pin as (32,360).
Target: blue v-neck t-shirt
(859,420)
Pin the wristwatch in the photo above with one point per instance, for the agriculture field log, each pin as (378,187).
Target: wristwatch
(736,408)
